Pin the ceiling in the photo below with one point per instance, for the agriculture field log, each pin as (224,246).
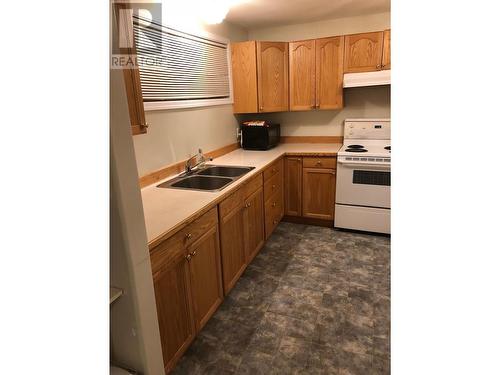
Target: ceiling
(253,14)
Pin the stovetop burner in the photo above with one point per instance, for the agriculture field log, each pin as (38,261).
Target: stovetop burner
(387,148)
(356,150)
(355,146)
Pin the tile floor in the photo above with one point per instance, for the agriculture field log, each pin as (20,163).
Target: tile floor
(313,301)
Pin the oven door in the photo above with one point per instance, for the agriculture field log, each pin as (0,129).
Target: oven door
(363,184)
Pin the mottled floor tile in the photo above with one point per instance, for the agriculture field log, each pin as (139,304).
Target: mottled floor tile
(255,363)
(313,301)
(322,360)
(292,356)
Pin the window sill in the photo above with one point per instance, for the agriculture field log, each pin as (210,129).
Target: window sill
(155,106)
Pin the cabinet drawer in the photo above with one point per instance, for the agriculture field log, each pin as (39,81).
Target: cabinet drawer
(253,185)
(200,226)
(166,252)
(320,162)
(274,184)
(273,169)
(231,203)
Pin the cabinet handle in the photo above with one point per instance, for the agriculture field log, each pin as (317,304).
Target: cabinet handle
(275,221)
(247,205)
(261,108)
(188,236)
(274,204)
(318,162)
(193,253)
(188,257)
(378,66)
(272,187)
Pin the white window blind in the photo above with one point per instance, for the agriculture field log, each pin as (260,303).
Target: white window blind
(180,67)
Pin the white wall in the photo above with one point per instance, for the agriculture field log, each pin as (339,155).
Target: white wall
(358,102)
(175,135)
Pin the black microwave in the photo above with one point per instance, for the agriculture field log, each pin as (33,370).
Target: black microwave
(259,135)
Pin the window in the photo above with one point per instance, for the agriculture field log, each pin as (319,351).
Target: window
(179,70)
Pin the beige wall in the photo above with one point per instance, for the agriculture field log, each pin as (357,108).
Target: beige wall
(358,102)
(320,29)
(175,135)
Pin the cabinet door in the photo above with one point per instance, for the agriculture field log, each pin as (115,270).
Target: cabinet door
(131,76)
(363,52)
(244,71)
(386,57)
(253,221)
(173,304)
(272,76)
(232,248)
(206,279)
(293,186)
(319,193)
(302,72)
(330,73)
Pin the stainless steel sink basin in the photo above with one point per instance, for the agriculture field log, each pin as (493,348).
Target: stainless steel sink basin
(201,183)
(225,171)
(209,178)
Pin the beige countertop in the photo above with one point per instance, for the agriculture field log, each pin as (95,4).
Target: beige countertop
(166,210)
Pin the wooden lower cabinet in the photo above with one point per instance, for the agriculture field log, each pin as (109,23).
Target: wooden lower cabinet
(232,247)
(293,186)
(174,308)
(253,223)
(206,280)
(187,283)
(319,193)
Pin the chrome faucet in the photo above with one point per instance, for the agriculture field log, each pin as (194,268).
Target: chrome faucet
(201,161)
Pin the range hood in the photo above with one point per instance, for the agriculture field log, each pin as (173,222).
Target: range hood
(381,77)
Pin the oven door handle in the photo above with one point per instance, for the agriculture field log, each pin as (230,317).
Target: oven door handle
(363,164)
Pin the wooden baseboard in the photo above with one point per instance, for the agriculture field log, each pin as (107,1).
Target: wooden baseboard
(176,168)
(308,221)
(312,139)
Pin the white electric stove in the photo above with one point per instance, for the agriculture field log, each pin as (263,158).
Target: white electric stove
(363,191)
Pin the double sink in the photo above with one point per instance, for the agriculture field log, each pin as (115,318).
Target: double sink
(208,178)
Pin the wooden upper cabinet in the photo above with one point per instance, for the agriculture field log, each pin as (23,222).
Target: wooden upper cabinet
(302,75)
(244,69)
(386,56)
(363,52)
(293,186)
(329,73)
(272,76)
(131,76)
